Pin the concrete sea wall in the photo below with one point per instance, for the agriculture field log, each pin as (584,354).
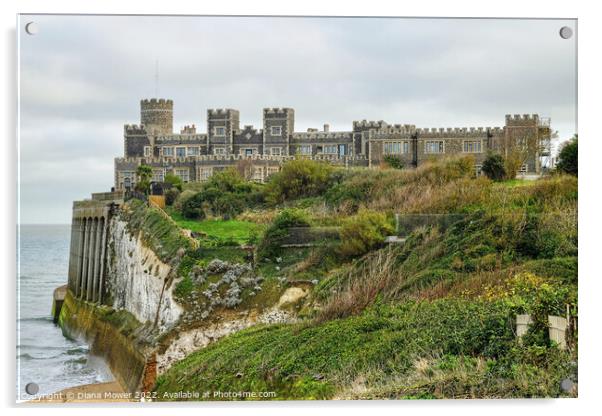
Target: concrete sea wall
(110,339)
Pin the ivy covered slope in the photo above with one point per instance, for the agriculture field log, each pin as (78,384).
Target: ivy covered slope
(432,317)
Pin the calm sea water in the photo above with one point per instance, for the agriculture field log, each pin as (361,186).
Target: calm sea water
(44,355)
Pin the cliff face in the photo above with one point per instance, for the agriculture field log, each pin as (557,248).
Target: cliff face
(138,279)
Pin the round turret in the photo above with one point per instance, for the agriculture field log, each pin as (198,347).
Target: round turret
(157,115)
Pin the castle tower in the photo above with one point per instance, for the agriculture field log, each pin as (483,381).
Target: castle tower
(278,126)
(222,124)
(524,136)
(157,116)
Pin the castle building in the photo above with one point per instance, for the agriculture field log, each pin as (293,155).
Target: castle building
(196,156)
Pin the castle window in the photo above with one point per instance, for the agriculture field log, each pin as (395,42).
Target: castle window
(128,179)
(168,151)
(272,170)
(257,174)
(180,151)
(205,173)
(192,151)
(276,130)
(478,170)
(219,151)
(183,174)
(220,131)
(276,151)
(158,175)
(147,151)
(304,149)
(247,152)
(434,147)
(393,148)
(472,146)
(330,149)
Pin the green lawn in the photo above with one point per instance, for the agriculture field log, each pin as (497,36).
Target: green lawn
(239,231)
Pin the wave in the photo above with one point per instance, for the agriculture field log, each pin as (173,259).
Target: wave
(81,351)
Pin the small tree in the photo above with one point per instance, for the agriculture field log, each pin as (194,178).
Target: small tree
(567,158)
(144,173)
(493,167)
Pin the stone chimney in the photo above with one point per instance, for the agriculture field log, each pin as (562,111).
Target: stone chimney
(326,128)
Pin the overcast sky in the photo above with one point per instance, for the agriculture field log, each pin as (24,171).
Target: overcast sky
(81,79)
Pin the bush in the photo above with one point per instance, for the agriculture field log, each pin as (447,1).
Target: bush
(171,195)
(299,178)
(174,181)
(273,236)
(494,168)
(182,198)
(393,162)
(193,207)
(225,194)
(363,232)
(567,159)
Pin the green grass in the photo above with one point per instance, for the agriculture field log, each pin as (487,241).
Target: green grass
(241,232)
(314,361)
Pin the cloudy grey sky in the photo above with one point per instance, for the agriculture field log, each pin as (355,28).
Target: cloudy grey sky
(81,79)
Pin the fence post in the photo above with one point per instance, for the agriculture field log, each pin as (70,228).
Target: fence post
(522,324)
(557,330)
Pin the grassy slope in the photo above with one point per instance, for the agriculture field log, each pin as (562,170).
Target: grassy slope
(311,361)
(455,342)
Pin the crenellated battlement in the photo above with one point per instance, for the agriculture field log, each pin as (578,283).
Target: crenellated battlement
(277,110)
(134,129)
(365,124)
(181,138)
(220,111)
(458,131)
(320,135)
(522,119)
(156,103)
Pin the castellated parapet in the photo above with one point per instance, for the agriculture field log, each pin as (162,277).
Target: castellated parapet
(522,120)
(157,115)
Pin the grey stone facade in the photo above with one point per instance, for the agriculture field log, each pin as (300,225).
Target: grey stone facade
(260,152)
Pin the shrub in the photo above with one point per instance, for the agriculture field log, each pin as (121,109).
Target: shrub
(273,236)
(299,178)
(193,207)
(182,198)
(363,232)
(225,194)
(567,159)
(393,162)
(171,195)
(174,181)
(494,168)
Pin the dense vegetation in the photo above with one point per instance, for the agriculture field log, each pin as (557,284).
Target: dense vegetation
(567,159)
(430,318)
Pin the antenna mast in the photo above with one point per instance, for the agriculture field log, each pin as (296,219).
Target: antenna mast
(157,78)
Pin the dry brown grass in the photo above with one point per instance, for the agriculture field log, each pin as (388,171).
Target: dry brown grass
(357,292)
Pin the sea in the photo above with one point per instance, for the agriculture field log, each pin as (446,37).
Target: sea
(44,356)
